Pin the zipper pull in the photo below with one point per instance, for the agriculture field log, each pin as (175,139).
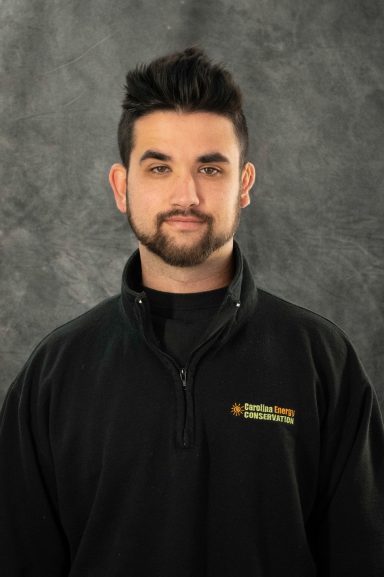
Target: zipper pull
(183,377)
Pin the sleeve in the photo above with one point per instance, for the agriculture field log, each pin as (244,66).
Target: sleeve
(32,541)
(347,527)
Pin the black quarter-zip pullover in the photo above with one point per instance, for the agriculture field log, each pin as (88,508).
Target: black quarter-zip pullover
(262,456)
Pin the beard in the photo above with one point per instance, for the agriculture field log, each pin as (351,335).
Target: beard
(176,254)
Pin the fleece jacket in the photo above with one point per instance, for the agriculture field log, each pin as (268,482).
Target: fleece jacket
(262,456)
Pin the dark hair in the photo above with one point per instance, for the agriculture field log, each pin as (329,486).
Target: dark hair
(185,81)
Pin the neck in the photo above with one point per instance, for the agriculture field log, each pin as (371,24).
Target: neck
(216,272)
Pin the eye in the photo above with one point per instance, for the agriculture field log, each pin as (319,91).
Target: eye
(161,169)
(210,170)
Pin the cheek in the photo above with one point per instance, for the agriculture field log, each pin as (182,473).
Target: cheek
(143,208)
(144,193)
(135,205)
(227,204)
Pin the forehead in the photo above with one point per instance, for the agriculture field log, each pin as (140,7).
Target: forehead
(194,132)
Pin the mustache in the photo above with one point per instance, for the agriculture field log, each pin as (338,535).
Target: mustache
(163,216)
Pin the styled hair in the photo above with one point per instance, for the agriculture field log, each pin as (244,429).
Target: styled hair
(184,81)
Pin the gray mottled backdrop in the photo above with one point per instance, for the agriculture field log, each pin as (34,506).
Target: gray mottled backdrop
(313,81)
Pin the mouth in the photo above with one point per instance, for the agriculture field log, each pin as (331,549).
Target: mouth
(185,223)
(184,219)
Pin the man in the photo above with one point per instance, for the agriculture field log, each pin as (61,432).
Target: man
(193,425)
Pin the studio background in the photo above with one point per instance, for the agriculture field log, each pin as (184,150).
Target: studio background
(313,83)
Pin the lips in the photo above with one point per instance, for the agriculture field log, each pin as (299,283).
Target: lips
(183,219)
(184,223)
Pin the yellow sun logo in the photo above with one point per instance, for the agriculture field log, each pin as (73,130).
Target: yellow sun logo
(237,409)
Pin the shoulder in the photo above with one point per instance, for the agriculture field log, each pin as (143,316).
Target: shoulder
(107,312)
(82,335)
(283,311)
(271,314)
(302,331)
(314,346)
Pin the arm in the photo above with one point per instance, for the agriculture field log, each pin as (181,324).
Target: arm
(347,527)
(32,542)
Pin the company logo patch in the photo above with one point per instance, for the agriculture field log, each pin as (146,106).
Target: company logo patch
(264,413)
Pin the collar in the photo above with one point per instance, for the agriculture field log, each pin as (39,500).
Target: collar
(240,298)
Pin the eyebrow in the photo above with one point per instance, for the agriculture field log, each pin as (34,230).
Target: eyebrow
(154,154)
(204,158)
(213,157)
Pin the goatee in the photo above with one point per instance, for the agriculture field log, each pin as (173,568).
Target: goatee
(180,255)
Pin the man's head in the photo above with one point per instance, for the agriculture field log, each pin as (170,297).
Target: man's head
(183,142)
(185,81)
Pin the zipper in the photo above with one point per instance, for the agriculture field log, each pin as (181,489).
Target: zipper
(183,377)
(183,372)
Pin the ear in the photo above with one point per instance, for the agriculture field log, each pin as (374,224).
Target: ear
(248,177)
(118,182)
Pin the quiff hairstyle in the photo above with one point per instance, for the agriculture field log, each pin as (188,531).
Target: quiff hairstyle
(184,81)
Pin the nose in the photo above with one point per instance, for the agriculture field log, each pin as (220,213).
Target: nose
(184,193)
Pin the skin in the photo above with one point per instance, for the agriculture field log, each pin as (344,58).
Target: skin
(187,189)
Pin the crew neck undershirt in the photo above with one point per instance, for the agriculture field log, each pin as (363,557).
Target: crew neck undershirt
(180,320)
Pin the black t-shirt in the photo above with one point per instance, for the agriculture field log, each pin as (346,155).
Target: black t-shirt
(180,320)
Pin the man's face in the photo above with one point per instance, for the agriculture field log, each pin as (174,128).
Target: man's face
(184,186)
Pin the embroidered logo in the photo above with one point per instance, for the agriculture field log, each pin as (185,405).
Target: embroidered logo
(237,410)
(263,412)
